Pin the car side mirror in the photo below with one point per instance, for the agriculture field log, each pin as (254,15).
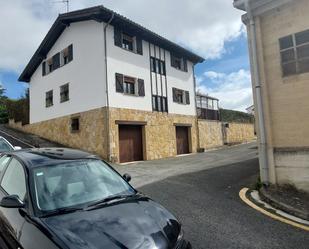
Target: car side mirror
(127,177)
(11,201)
(17,148)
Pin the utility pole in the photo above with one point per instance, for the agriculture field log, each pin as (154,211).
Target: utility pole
(67,2)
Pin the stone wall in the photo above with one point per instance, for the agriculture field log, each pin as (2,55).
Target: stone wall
(239,133)
(159,132)
(214,134)
(210,134)
(90,137)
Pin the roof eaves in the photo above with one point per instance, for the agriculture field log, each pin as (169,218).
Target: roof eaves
(98,13)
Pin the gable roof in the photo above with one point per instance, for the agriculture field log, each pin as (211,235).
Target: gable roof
(100,14)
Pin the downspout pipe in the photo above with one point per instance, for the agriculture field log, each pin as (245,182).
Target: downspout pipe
(263,157)
(106,90)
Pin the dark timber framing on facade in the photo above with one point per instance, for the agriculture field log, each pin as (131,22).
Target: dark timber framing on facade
(100,14)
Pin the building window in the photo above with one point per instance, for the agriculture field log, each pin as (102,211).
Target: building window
(58,60)
(159,103)
(64,93)
(129,85)
(65,56)
(75,124)
(179,63)
(49,98)
(294,51)
(49,65)
(157,66)
(181,96)
(128,42)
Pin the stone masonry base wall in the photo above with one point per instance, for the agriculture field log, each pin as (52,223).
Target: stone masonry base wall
(210,134)
(90,137)
(239,133)
(159,132)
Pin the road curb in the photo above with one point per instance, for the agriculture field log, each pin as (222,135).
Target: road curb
(282,206)
(243,196)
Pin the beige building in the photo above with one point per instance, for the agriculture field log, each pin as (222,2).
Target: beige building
(279,55)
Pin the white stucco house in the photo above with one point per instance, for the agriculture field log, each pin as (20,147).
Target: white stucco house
(101,82)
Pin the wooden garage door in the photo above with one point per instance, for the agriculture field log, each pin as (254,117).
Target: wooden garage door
(130,143)
(182,139)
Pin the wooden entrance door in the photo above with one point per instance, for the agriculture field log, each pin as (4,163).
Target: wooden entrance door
(182,140)
(130,143)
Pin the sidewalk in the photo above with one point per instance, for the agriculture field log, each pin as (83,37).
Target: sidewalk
(27,138)
(287,199)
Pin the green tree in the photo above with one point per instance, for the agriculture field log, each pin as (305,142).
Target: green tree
(3,109)
(19,109)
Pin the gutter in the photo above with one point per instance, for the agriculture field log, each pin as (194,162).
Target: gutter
(106,89)
(263,157)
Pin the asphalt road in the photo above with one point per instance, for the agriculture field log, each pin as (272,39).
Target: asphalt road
(14,141)
(213,216)
(202,191)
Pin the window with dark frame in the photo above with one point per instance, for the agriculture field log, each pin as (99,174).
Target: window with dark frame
(127,42)
(157,66)
(294,51)
(49,65)
(75,124)
(129,85)
(179,63)
(181,96)
(64,93)
(49,98)
(58,60)
(65,56)
(159,103)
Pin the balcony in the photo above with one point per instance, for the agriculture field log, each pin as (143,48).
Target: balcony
(207,107)
(208,114)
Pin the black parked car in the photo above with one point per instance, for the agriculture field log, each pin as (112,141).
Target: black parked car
(62,198)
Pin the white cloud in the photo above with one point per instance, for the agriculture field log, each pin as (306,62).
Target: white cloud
(233,90)
(201,25)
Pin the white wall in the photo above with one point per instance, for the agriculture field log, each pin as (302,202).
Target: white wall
(130,64)
(181,80)
(85,74)
(86,77)
(138,66)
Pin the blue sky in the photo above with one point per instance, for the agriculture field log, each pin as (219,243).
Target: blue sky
(218,36)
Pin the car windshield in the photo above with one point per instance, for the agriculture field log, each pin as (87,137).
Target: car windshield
(4,146)
(76,183)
